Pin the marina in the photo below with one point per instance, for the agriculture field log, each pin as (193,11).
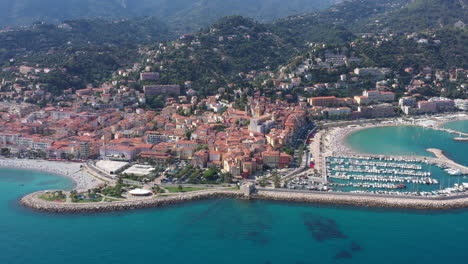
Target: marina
(392,175)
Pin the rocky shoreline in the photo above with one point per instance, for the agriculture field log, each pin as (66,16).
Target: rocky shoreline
(34,202)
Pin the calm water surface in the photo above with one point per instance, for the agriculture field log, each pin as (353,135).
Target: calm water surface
(407,140)
(461,125)
(223,231)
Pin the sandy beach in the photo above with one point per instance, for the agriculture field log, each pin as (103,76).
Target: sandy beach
(338,135)
(83,180)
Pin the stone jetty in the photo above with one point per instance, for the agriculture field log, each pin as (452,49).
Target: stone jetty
(33,201)
(420,203)
(441,157)
(451,131)
(361,200)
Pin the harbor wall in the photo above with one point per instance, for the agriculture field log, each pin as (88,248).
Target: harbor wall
(422,203)
(34,202)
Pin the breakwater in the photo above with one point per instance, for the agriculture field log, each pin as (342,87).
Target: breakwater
(34,202)
(451,131)
(444,159)
(420,203)
(360,200)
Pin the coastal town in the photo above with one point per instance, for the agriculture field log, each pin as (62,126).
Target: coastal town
(233,131)
(125,150)
(144,132)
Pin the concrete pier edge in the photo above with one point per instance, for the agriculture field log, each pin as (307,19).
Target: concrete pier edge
(444,203)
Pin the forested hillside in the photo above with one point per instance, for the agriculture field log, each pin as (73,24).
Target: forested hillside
(230,46)
(81,33)
(423,14)
(183,15)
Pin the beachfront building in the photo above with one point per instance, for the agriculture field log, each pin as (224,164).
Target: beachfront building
(376,111)
(118,152)
(427,107)
(407,105)
(374,96)
(323,101)
(443,104)
(462,104)
(9,139)
(111,167)
(336,112)
(407,101)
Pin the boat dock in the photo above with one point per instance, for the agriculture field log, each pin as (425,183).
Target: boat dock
(448,162)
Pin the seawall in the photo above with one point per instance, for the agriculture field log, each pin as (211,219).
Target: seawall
(34,202)
(419,203)
(440,203)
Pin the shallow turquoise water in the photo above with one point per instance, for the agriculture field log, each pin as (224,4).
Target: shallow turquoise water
(407,140)
(223,231)
(461,125)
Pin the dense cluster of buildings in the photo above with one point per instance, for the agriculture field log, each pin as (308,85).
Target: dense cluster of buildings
(109,122)
(239,142)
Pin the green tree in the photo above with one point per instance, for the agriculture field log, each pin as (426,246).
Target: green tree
(226,177)
(276,179)
(5,152)
(263,182)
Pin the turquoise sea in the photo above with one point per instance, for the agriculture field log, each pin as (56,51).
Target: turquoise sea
(223,231)
(232,231)
(461,125)
(407,140)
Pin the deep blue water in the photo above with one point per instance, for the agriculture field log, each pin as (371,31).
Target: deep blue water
(223,231)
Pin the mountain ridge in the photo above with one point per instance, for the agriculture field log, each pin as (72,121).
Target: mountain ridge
(185,15)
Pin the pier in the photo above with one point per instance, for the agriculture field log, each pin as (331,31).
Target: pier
(450,163)
(451,131)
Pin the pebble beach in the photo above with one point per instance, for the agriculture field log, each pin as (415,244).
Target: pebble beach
(83,180)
